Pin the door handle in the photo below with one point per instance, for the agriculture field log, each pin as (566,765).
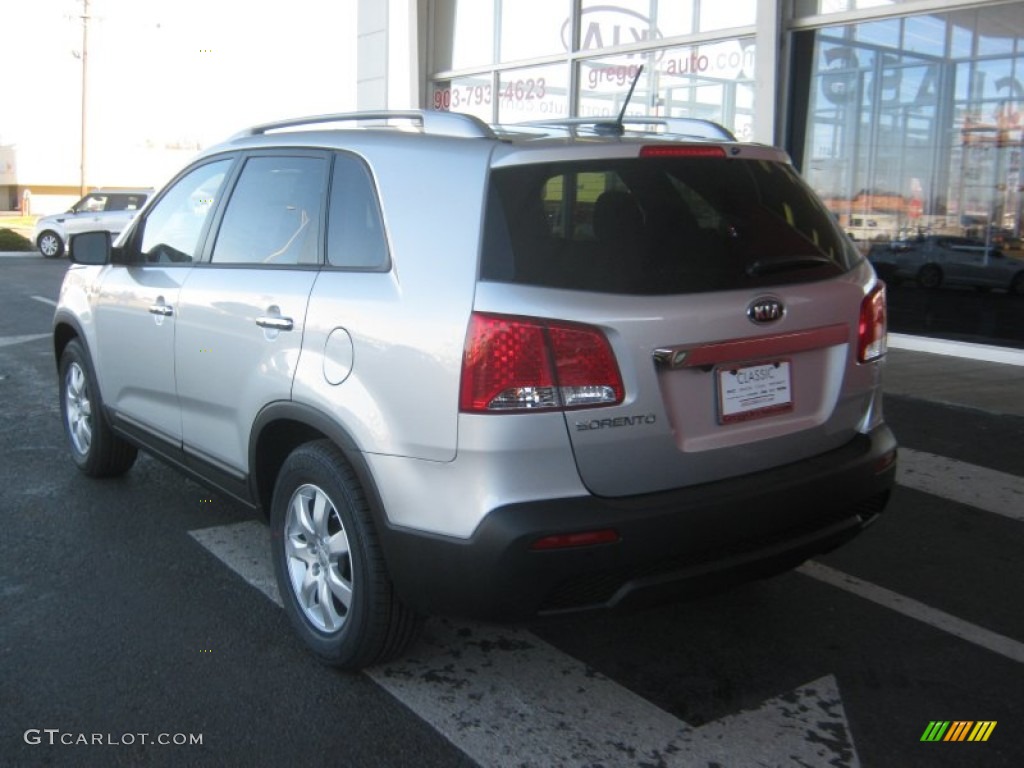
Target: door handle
(275,323)
(161,309)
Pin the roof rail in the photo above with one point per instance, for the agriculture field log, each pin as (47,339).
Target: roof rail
(682,126)
(431,122)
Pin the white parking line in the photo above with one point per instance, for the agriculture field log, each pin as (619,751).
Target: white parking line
(245,549)
(506,698)
(996,492)
(972,633)
(988,353)
(7,341)
(45,300)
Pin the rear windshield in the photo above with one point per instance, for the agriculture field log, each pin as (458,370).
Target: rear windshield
(659,226)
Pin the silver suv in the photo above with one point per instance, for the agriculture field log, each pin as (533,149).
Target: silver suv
(109,209)
(488,371)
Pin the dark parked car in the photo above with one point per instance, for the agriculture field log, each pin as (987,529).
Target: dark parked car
(937,260)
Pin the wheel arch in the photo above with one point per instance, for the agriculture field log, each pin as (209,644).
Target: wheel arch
(65,329)
(283,426)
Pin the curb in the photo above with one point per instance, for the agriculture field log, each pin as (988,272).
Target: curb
(21,255)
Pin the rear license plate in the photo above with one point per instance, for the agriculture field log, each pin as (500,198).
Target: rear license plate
(754,391)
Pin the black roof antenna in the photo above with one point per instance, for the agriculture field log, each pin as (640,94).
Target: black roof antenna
(617,128)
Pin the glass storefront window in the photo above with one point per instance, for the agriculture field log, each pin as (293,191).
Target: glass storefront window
(472,95)
(605,24)
(718,15)
(824,7)
(604,84)
(986,192)
(533,93)
(888,128)
(532,28)
(921,33)
(914,139)
(872,135)
(711,82)
(464,34)
(962,39)
(884,33)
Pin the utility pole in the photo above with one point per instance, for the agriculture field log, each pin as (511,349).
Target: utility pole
(85,81)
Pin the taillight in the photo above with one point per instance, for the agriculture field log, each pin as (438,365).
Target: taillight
(871,332)
(677,150)
(515,364)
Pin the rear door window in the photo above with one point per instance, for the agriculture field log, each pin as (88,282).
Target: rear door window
(273,215)
(659,226)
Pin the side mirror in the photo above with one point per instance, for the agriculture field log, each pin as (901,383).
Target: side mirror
(90,248)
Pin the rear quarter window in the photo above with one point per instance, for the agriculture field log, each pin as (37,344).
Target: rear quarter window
(659,226)
(355,227)
(125,202)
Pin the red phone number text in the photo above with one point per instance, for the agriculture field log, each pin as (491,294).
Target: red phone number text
(529,89)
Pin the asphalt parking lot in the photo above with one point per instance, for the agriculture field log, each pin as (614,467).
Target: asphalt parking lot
(139,625)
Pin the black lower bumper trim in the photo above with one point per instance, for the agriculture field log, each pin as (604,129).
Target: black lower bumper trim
(680,542)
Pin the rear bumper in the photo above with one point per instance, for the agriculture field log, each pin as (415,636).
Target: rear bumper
(673,543)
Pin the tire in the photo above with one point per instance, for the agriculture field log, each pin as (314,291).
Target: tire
(329,566)
(1017,284)
(929,276)
(96,450)
(50,244)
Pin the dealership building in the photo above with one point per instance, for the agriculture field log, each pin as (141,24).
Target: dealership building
(904,116)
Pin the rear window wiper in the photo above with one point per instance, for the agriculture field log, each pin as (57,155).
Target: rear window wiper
(787,265)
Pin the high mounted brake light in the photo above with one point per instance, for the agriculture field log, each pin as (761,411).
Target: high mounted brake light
(675,150)
(517,364)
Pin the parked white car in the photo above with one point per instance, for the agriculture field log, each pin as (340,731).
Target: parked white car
(109,209)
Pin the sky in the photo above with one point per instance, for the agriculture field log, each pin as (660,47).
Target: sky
(167,72)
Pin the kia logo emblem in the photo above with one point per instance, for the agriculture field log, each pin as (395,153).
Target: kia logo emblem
(765,310)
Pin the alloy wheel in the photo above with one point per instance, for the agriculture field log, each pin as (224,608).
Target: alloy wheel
(49,245)
(78,408)
(318,558)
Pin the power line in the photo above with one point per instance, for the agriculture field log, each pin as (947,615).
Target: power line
(85,91)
